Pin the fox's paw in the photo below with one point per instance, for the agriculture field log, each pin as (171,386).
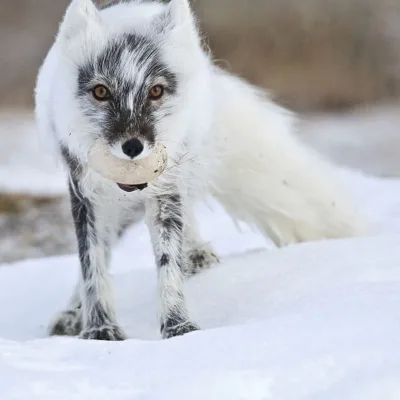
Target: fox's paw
(198,260)
(181,329)
(112,333)
(66,323)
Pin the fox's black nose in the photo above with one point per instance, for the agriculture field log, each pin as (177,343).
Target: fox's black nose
(132,148)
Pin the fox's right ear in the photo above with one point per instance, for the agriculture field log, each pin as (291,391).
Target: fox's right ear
(81,16)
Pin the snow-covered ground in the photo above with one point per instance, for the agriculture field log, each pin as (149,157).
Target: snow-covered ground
(24,167)
(312,321)
(316,321)
(366,138)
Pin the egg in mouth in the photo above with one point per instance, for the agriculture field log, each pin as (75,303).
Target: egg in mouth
(129,175)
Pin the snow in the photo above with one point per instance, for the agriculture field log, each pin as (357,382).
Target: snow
(24,167)
(366,138)
(312,321)
(306,322)
(309,321)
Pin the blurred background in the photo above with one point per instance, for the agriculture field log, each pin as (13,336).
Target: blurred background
(335,62)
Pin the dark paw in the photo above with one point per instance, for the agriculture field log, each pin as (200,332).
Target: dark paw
(199,260)
(112,333)
(67,323)
(169,332)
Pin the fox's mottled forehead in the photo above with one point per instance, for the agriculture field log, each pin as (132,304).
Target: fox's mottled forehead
(110,3)
(128,63)
(129,66)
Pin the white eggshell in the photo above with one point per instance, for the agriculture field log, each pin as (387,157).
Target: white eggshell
(127,172)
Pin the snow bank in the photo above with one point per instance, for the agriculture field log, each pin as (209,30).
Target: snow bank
(24,167)
(311,321)
(366,139)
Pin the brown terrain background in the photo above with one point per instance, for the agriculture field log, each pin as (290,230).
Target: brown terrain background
(313,55)
(310,53)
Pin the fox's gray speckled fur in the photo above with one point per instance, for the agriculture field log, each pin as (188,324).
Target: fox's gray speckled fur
(134,74)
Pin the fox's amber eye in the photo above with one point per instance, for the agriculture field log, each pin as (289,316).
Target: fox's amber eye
(101,93)
(156,92)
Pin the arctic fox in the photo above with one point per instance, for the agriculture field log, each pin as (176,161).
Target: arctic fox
(135,73)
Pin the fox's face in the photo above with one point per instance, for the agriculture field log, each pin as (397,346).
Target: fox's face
(133,72)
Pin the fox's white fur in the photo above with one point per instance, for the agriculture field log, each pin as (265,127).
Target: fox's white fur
(224,137)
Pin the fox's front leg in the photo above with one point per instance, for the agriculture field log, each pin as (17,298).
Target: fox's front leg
(95,236)
(165,221)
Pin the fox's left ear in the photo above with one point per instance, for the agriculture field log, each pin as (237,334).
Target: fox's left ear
(178,19)
(80,16)
(177,14)
(180,12)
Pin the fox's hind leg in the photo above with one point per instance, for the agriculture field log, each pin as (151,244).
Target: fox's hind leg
(68,322)
(199,254)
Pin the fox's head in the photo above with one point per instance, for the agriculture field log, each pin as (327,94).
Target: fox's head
(131,73)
